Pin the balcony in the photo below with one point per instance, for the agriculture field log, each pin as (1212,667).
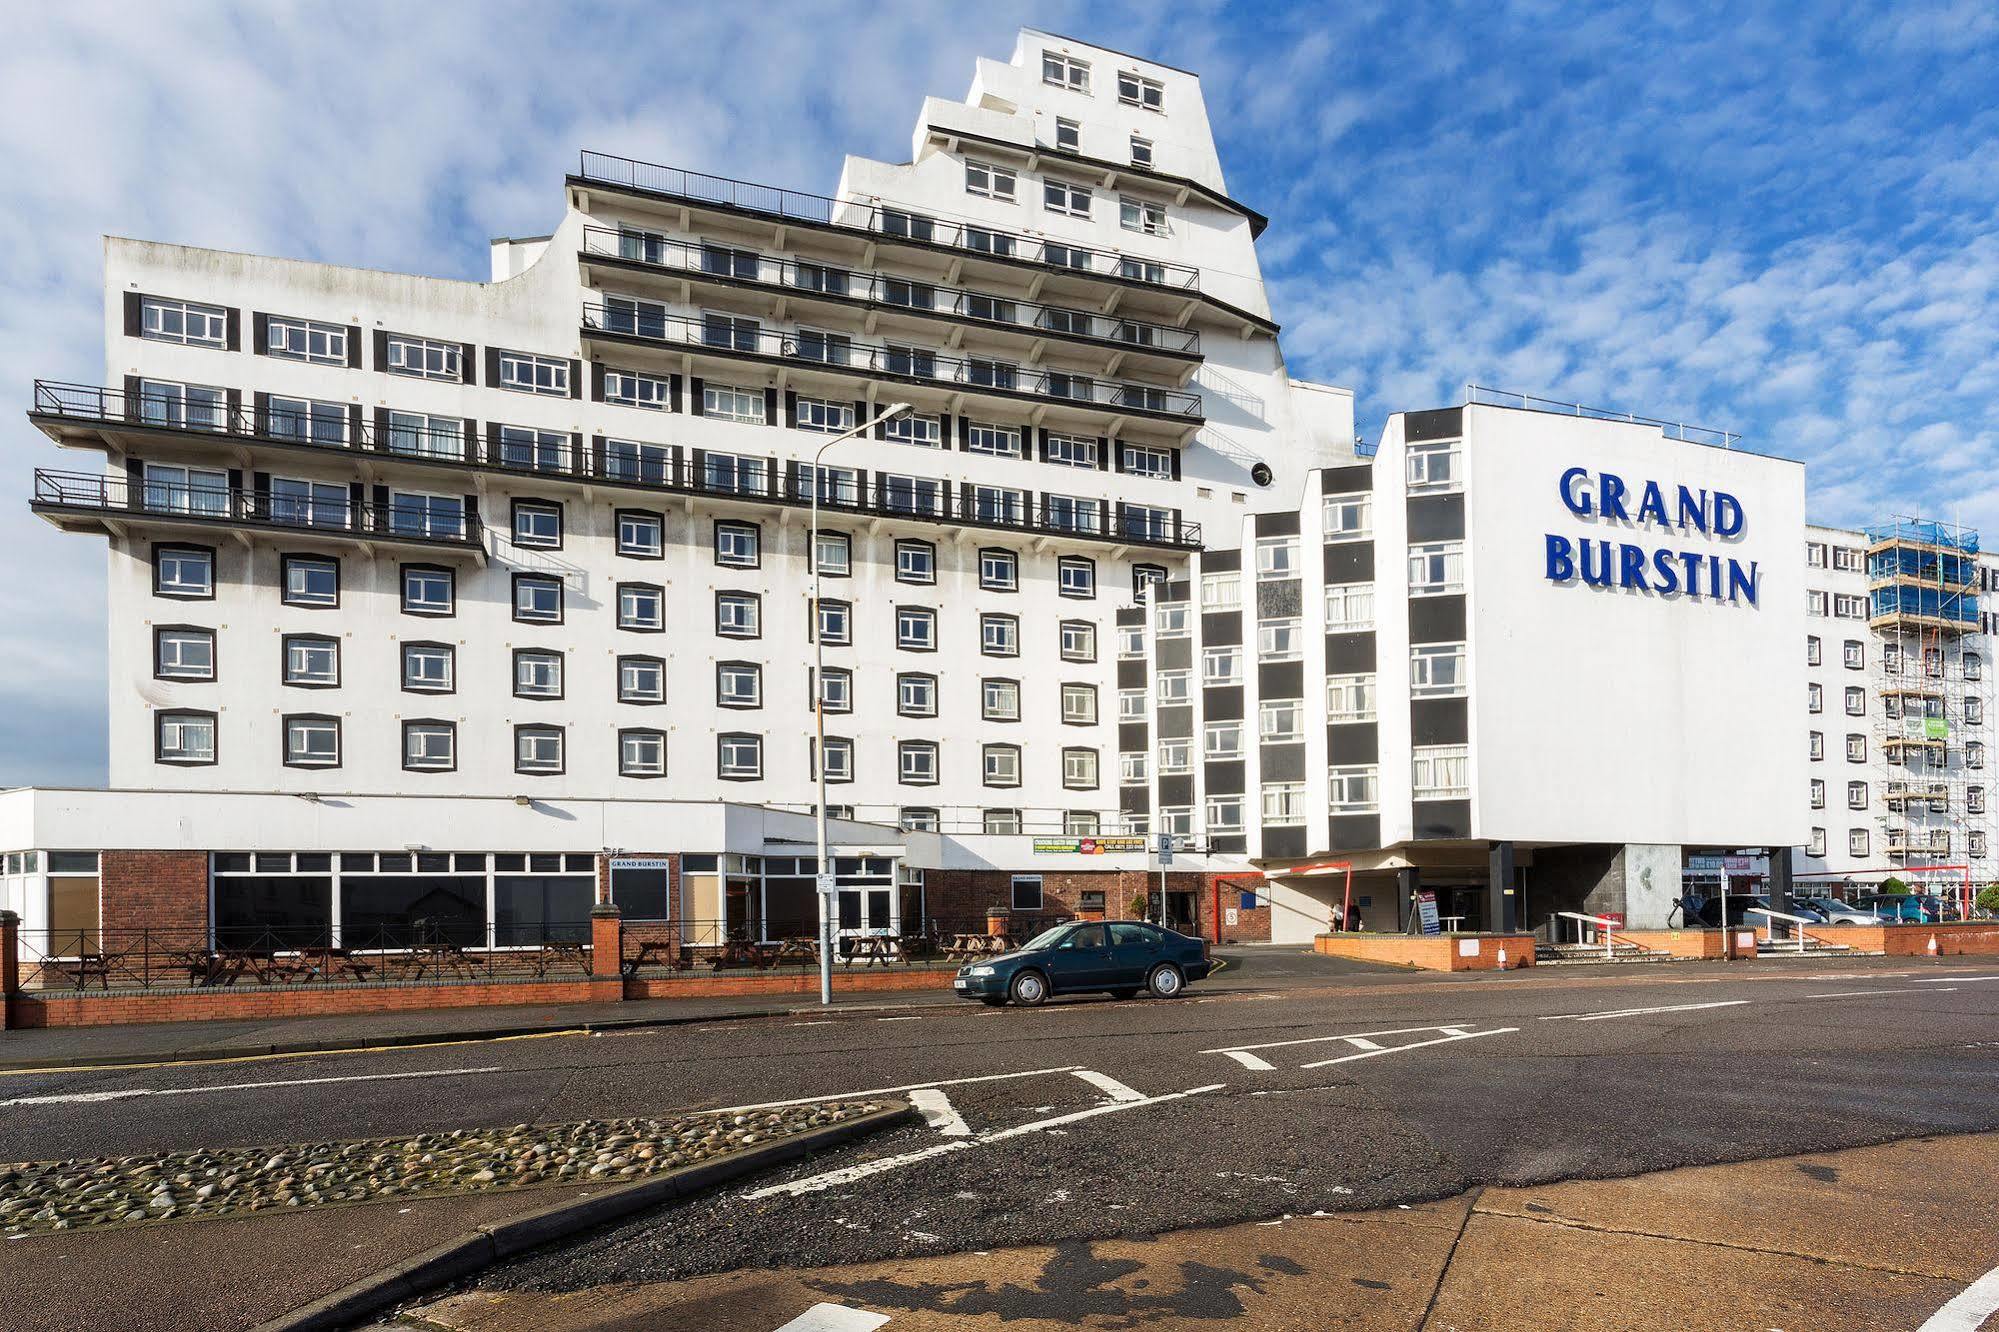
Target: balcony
(1178,349)
(72,412)
(102,502)
(891,224)
(637,322)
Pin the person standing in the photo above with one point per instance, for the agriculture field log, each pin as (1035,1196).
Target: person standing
(1339,918)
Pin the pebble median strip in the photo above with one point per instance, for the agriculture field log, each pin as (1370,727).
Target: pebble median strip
(111,1190)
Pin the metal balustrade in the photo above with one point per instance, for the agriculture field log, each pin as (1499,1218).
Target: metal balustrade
(194,501)
(727,335)
(747,477)
(880,219)
(731,264)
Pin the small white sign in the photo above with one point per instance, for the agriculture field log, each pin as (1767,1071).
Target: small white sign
(1745,938)
(827,884)
(640,863)
(1230,916)
(1467,948)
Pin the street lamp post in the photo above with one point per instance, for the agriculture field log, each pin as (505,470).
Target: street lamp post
(825,882)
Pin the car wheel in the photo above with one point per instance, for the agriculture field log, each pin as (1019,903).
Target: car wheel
(1165,981)
(1029,989)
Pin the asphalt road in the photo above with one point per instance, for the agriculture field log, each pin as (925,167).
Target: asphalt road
(1291,1090)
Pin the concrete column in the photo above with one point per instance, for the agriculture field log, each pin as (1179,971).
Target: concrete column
(1407,881)
(1780,878)
(1652,883)
(1502,901)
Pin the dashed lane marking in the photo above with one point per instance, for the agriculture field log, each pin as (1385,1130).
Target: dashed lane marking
(851,1174)
(1940,980)
(1641,1012)
(83,1098)
(909,1018)
(1108,1085)
(907,1086)
(1378,1051)
(938,1112)
(268,1056)
(1248,1060)
(1853,994)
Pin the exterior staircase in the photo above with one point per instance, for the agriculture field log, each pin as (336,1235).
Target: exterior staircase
(1594,954)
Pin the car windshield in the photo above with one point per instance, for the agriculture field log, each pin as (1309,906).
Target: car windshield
(1047,938)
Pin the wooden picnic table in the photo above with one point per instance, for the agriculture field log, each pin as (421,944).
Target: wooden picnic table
(326,963)
(796,948)
(744,953)
(561,953)
(868,949)
(81,967)
(977,945)
(438,954)
(663,952)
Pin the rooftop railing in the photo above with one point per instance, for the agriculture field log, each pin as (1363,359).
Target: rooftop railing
(731,264)
(1689,434)
(831,351)
(877,218)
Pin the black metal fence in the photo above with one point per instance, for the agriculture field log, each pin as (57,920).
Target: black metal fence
(690,946)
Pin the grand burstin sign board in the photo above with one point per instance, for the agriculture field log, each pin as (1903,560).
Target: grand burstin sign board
(1645,511)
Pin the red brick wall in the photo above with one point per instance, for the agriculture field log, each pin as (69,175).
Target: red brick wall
(964,895)
(154,890)
(208,1005)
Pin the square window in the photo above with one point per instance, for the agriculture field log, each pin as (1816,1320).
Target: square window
(917,762)
(310,580)
(185,737)
(833,554)
(738,684)
(1141,151)
(1000,700)
(537,599)
(999,635)
(1002,765)
(1076,576)
(1280,640)
(641,680)
(311,662)
(738,545)
(915,562)
(312,742)
(537,525)
(430,746)
(428,590)
(738,614)
(641,535)
(999,571)
(1437,568)
(916,695)
(1068,135)
(183,652)
(836,689)
(1276,558)
(835,623)
(429,668)
(1281,720)
(642,753)
(1079,640)
(642,607)
(1079,769)
(1222,740)
(1441,772)
(1079,705)
(538,749)
(739,758)
(839,759)
(1001,822)
(1221,665)
(537,673)
(1437,670)
(916,628)
(184,571)
(1433,466)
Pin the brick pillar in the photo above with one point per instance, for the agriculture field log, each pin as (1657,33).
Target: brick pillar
(607,952)
(10,961)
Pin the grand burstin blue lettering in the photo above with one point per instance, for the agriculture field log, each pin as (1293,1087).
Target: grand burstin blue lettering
(1597,562)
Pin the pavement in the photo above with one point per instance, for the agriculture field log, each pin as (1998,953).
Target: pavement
(1285,1089)
(1851,1241)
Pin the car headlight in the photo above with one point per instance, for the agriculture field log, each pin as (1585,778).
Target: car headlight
(979,971)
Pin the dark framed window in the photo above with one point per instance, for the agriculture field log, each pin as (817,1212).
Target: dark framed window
(1144,577)
(833,622)
(1079,769)
(999,700)
(915,694)
(537,599)
(309,580)
(641,753)
(312,740)
(738,545)
(838,689)
(739,684)
(429,589)
(641,534)
(839,758)
(642,608)
(1076,576)
(642,680)
(310,661)
(916,628)
(917,762)
(185,737)
(430,744)
(1026,894)
(539,751)
(915,561)
(738,614)
(1001,764)
(833,555)
(739,756)
(183,652)
(999,570)
(429,668)
(538,673)
(185,572)
(1079,640)
(538,524)
(999,635)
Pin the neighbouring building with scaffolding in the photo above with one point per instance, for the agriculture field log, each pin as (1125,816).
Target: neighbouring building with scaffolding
(1899,650)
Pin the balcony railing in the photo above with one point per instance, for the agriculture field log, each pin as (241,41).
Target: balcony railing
(743,337)
(736,265)
(200,501)
(624,462)
(884,220)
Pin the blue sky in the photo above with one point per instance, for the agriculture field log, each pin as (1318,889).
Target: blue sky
(1782,223)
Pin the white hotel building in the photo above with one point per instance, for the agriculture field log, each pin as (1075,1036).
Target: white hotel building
(475,599)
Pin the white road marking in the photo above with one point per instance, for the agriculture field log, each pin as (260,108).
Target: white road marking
(1968,1311)
(939,1113)
(1941,980)
(1319,1040)
(1849,994)
(822,1022)
(85,1098)
(1640,1012)
(911,1018)
(850,1174)
(1108,1085)
(1416,1045)
(1360,1043)
(884,1091)
(835,1318)
(1248,1060)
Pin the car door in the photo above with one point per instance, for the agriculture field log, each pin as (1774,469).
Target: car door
(1134,949)
(1081,961)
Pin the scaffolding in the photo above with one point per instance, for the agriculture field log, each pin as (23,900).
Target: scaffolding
(1923,582)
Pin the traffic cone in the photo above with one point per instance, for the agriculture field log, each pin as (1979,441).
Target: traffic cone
(1502,959)
(1933,945)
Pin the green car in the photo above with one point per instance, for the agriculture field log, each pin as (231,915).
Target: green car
(1120,957)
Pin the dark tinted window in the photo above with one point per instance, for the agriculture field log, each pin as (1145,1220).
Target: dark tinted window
(1085,936)
(1125,932)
